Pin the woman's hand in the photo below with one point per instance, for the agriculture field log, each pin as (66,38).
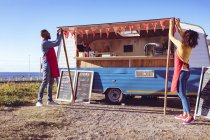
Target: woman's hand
(179,27)
(171,36)
(171,24)
(177,21)
(171,28)
(171,21)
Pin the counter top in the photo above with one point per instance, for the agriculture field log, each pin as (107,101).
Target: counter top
(123,58)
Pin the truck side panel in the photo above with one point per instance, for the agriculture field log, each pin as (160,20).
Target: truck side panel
(126,80)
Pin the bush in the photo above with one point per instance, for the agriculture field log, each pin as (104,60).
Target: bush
(15,94)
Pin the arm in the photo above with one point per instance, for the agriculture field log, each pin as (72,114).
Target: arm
(179,27)
(50,44)
(171,37)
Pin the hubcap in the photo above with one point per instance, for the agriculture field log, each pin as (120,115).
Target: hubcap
(114,95)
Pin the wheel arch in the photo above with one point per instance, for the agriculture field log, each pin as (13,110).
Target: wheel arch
(107,89)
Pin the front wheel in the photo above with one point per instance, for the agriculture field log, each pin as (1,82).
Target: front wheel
(114,96)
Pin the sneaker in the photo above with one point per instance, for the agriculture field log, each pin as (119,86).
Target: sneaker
(188,120)
(39,104)
(180,117)
(51,103)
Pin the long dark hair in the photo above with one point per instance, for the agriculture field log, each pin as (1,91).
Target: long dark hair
(190,38)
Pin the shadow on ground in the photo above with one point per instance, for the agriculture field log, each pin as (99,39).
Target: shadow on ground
(150,102)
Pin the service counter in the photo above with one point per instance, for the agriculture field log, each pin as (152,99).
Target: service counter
(123,61)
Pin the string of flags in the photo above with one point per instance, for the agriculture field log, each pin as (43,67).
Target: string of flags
(117,29)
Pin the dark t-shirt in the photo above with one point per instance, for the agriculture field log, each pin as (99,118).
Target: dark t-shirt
(87,49)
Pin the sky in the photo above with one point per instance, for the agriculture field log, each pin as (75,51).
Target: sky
(22,20)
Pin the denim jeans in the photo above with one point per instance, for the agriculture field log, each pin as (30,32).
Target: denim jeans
(183,91)
(48,81)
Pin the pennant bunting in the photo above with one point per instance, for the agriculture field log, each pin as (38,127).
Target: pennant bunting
(154,24)
(72,32)
(94,32)
(115,28)
(75,34)
(131,28)
(100,31)
(107,32)
(162,24)
(146,25)
(138,28)
(86,32)
(66,33)
(123,29)
(81,33)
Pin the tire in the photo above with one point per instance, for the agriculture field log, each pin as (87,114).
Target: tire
(114,96)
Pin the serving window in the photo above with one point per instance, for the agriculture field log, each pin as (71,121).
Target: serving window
(128,48)
(146,44)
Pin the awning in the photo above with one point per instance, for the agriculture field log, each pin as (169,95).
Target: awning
(118,27)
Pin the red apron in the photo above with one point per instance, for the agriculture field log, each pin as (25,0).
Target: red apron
(53,63)
(178,63)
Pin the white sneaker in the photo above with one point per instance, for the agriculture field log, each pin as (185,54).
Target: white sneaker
(51,103)
(39,104)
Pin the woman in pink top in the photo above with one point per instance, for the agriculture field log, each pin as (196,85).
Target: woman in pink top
(189,40)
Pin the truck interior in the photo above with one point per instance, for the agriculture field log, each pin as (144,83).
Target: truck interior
(128,44)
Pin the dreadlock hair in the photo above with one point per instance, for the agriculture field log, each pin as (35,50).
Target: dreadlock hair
(43,31)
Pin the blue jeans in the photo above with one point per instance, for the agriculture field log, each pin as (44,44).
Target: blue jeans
(183,91)
(48,81)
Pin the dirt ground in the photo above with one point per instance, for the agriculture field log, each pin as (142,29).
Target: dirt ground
(134,119)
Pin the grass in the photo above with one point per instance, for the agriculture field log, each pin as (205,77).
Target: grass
(16,94)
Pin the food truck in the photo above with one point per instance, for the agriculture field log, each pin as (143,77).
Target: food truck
(129,58)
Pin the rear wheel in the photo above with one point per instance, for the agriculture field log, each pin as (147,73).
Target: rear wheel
(114,96)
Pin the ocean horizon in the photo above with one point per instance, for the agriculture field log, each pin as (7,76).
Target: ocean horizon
(20,74)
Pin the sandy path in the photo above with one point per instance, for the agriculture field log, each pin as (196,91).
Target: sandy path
(137,119)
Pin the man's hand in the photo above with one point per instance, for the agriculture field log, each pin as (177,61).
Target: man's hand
(59,31)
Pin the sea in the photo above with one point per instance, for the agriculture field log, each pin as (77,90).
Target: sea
(20,75)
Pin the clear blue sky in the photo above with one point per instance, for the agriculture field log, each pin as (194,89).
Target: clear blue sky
(22,20)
